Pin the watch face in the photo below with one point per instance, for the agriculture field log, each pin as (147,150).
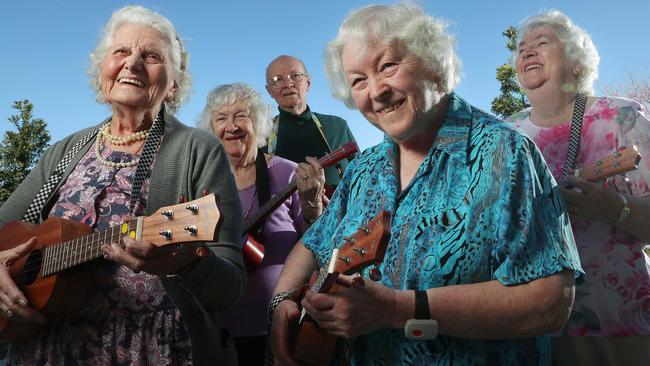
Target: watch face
(421,329)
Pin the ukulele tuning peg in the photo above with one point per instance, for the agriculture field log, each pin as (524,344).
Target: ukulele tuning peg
(361,251)
(167,234)
(169,214)
(194,209)
(375,274)
(345,259)
(349,240)
(191,229)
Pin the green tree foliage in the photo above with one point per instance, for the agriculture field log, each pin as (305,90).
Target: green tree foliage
(511,97)
(21,149)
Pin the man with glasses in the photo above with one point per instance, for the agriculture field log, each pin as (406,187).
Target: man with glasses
(297,131)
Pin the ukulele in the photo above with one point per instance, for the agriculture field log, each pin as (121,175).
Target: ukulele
(309,343)
(253,250)
(46,275)
(619,162)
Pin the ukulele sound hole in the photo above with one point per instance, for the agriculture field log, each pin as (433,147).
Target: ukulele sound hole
(32,267)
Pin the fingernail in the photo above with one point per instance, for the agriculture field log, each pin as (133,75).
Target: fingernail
(22,302)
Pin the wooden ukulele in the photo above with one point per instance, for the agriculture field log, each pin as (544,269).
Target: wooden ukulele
(309,343)
(46,275)
(619,162)
(254,250)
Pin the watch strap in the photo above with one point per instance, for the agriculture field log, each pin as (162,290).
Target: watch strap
(422,305)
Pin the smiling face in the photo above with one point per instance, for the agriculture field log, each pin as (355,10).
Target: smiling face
(234,126)
(388,88)
(541,62)
(291,96)
(137,71)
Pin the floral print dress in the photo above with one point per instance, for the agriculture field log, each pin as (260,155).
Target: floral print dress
(615,298)
(128,319)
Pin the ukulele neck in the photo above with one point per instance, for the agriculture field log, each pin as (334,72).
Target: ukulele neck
(85,248)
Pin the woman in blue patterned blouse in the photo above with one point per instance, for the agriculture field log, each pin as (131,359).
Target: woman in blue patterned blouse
(479,230)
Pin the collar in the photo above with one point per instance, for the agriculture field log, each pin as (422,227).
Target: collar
(305,115)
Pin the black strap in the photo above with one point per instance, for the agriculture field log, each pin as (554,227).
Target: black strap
(150,148)
(33,213)
(149,151)
(576,130)
(262,187)
(422,305)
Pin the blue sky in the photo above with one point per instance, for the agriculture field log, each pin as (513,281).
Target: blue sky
(45,48)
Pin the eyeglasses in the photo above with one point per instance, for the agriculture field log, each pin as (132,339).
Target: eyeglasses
(277,80)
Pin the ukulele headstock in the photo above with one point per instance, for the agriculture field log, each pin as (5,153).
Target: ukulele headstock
(365,247)
(185,222)
(619,162)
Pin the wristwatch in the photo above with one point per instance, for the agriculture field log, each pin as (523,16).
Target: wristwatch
(422,327)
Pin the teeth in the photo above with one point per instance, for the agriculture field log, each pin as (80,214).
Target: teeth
(533,66)
(132,81)
(390,108)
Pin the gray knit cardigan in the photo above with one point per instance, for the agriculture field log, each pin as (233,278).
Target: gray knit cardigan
(188,162)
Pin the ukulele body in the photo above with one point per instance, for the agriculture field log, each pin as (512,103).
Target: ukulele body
(59,293)
(311,345)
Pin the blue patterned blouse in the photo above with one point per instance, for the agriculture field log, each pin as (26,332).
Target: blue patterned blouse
(483,206)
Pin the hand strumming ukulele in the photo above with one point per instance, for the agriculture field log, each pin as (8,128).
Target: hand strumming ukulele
(309,343)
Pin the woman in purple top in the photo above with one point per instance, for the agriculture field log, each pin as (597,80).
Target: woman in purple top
(238,116)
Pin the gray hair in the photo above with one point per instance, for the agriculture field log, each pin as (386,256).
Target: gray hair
(578,46)
(177,53)
(227,94)
(405,24)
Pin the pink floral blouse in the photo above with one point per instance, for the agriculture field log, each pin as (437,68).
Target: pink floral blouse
(614,300)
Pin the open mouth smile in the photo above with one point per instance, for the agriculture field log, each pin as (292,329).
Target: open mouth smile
(533,66)
(392,107)
(131,82)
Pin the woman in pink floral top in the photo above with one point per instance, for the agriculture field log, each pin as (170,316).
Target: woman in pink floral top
(610,321)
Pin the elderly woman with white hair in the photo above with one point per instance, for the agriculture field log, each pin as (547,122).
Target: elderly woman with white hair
(481,261)
(147,305)
(237,115)
(557,63)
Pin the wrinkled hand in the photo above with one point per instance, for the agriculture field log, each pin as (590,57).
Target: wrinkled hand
(285,314)
(590,201)
(352,311)
(310,180)
(13,303)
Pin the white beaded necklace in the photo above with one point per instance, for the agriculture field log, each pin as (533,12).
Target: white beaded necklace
(122,140)
(104,132)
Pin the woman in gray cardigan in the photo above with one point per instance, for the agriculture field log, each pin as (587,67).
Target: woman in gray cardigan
(147,304)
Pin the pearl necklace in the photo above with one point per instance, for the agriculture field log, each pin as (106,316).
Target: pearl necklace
(107,163)
(122,140)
